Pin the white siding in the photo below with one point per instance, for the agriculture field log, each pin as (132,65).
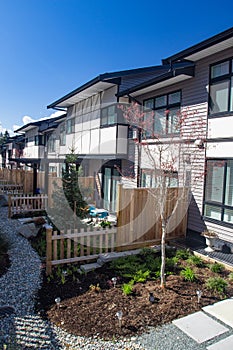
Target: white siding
(108,140)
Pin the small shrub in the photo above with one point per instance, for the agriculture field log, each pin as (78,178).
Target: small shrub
(195,260)
(182,254)
(127,288)
(146,251)
(171,263)
(126,266)
(105,224)
(188,274)
(141,276)
(216,267)
(216,284)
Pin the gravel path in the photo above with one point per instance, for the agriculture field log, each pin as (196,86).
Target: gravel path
(24,329)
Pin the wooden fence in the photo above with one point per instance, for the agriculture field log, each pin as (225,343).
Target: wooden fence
(75,246)
(17,177)
(138,225)
(86,185)
(138,218)
(22,204)
(11,188)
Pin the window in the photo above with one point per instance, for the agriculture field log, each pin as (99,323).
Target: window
(53,169)
(70,126)
(39,140)
(51,143)
(63,134)
(148,179)
(161,114)
(109,115)
(221,87)
(218,203)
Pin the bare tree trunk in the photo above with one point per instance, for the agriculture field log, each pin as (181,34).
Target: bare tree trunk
(163,256)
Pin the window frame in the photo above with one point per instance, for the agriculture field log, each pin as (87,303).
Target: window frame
(63,134)
(228,77)
(108,116)
(39,140)
(70,126)
(218,205)
(51,143)
(169,176)
(167,106)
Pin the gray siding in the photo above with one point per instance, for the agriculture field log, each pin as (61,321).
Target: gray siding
(195,98)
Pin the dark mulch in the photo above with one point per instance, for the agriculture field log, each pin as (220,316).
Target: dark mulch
(87,312)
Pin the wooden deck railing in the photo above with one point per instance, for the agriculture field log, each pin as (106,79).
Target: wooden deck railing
(77,245)
(21,204)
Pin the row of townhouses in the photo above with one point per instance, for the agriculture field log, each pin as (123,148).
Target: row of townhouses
(198,79)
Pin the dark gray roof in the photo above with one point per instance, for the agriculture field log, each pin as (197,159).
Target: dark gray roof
(203,45)
(166,72)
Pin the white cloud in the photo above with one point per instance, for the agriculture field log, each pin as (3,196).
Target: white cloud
(27,119)
(54,115)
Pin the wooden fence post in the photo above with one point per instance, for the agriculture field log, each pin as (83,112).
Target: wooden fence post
(49,231)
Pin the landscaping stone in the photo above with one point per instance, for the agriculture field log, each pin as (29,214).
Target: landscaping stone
(89,267)
(223,310)
(200,327)
(224,344)
(28,230)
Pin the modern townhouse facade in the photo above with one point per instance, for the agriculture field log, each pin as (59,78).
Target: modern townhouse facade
(98,132)
(198,79)
(208,92)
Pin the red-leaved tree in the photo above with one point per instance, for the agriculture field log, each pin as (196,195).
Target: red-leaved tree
(172,149)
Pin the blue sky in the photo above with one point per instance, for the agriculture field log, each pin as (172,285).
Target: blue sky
(50,47)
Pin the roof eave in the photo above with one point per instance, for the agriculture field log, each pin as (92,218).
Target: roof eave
(227,34)
(188,71)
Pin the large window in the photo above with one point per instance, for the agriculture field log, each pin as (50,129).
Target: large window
(109,115)
(51,142)
(161,115)
(221,87)
(218,204)
(70,126)
(63,134)
(148,178)
(39,140)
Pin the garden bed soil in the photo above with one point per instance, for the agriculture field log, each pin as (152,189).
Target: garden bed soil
(89,311)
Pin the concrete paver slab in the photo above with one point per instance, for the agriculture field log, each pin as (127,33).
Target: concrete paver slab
(225,344)
(200,327)
(223,310)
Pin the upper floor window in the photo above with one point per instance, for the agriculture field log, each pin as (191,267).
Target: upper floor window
(51,143)
(70,126)
(165,116)
(221,87)
(39,140)
(63,134)
(109,115)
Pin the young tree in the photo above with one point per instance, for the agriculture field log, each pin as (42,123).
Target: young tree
(68,203)
(171,146)
(4,137)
